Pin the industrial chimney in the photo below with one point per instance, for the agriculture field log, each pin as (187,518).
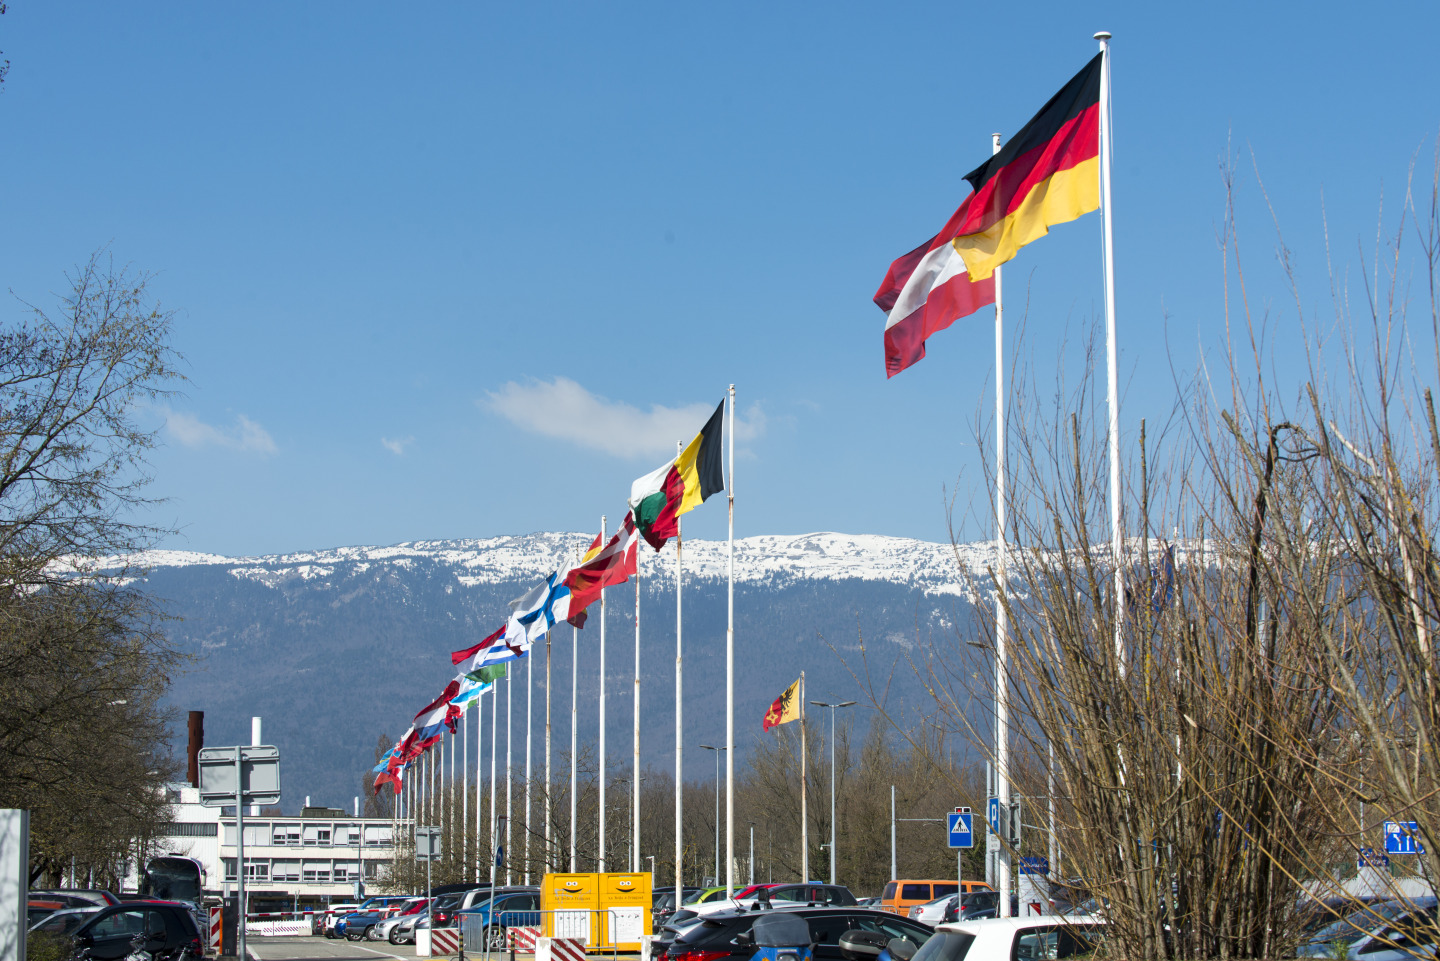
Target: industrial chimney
(193,745)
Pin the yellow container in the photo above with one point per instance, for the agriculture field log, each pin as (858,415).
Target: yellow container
(606,911)
(625,904)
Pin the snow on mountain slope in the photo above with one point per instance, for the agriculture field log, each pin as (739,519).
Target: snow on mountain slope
(769,559)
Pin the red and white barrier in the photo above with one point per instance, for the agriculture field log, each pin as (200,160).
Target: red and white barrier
(522,940)
(442,941)
(214,942)
(559,949)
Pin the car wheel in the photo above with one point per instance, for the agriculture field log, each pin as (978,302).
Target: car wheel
(330,933)
(352,935)
(395,935)
(495,938)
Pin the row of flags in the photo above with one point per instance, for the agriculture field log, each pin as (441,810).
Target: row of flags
(655,505)
(1049,173)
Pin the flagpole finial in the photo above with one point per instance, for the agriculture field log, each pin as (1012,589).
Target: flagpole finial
(1102,36)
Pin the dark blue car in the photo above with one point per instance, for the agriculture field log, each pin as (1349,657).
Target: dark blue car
(520,909)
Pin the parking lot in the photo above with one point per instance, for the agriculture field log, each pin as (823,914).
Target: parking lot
(323,949)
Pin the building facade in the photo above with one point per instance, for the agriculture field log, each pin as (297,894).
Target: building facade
(304,861)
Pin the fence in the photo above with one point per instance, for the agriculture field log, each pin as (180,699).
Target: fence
(274,925)
(598,931)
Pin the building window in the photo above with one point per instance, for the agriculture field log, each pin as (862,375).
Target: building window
(316,871)
(346,871)
(257,870)
(229,868)
(285,870)
(287,834)
(316,835)
(181,829)
(372,869)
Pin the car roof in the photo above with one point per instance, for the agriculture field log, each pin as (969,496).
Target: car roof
(1017,924)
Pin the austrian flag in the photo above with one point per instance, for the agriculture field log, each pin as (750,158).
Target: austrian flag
(926,291)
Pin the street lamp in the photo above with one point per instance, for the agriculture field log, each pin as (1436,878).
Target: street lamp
(717,751)
(832,708)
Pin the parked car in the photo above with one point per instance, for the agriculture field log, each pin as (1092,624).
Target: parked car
(382,929)
(703,896)
(333,914)
(78,897)
(1392,931)
(868,902)
(902,895)
(662,904)
(164,929)
(404,930)
(503,911)
(726,936)
(357,925)
(936,911)
(811,893)
(64,921)
(1042,938)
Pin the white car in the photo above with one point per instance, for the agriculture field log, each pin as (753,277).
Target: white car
(334,913)
(933,912)
(1041,938)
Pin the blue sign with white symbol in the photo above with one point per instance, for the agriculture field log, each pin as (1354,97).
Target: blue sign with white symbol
(1035,865)
(992,814)
(1402,837)
(961,826)
(1371,858)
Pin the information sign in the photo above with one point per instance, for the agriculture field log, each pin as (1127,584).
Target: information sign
(960,824)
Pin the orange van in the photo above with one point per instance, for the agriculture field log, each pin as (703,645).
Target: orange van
(901,896)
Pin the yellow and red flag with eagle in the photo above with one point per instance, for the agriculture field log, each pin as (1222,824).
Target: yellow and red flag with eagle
(786,707)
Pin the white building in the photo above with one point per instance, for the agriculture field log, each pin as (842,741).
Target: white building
(312,859)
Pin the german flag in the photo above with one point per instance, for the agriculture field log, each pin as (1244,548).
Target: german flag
(1049,173)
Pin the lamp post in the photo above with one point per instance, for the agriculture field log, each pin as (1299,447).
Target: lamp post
(718,751)
(832,708)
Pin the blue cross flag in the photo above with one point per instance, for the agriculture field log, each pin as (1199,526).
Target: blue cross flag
(961,826)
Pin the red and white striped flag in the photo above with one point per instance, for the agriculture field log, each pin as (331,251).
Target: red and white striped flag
(925,291)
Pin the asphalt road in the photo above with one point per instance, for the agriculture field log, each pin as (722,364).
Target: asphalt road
(315,948)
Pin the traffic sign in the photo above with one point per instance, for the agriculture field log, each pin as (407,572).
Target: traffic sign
(1402,837)
(1035,865)
(258,774)
(1371,858)
(427,844)
(992,814)
(961,827)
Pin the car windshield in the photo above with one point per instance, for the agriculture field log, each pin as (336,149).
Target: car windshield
(889,926)
(63,922)
(1351,928)
(946,946)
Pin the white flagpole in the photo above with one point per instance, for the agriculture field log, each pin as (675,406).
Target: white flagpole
(600,780)
(494,821)
(730,673)
(1002,627)
(574,737)
(479,781)
(679,730)
(450,790)
(635,758)
(465,790)
(509,778)
(529,723)
(1117,544)
(804,790)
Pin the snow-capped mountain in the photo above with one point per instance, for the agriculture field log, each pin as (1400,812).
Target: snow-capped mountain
(337,647)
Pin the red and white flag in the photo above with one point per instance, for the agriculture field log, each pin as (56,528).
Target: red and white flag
(928,290)
(603,567)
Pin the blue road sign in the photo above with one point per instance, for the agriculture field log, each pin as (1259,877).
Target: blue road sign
(992,814)
(961,826)
(1402,837)
(1035,865)
(1371,858)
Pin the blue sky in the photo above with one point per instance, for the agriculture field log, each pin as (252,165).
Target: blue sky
(462,270)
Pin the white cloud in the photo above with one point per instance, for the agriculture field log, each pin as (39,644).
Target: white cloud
(396,445)
(244,435)
(564,410)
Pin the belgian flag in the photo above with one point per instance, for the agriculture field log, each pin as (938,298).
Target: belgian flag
(659,498)
(1049,173)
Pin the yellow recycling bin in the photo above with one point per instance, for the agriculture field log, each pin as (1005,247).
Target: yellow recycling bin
(606,911)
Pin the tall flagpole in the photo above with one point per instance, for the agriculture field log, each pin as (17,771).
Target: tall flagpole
(574,737)
(509,778)
(1002,627)
(480,778)
(679,729)
(730,674)
(450,787)
(635,758)
(1117,544)
(494,822)
(804,790)
(601,779)
(529,719)
(549,801)
(465,791)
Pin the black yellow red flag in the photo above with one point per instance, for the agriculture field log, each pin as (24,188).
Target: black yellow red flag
(786,707)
